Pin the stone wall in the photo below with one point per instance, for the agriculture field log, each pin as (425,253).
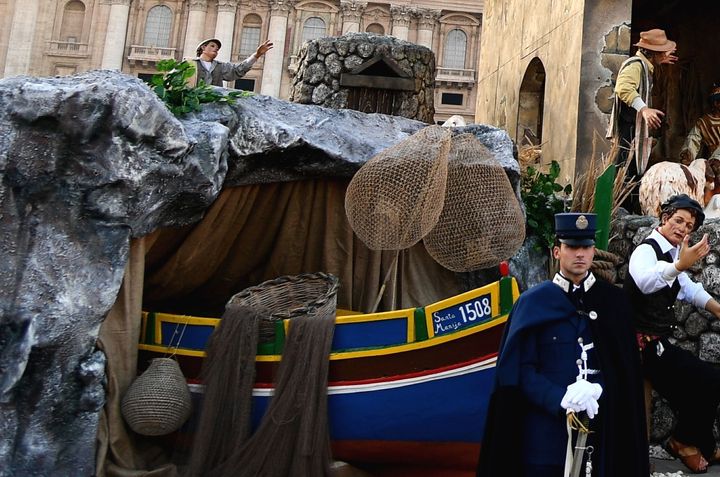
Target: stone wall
(698,330)
(324,61)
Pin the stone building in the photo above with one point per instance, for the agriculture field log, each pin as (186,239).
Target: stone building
(62,37)
(551,78)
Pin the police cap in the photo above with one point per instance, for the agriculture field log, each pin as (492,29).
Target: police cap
(576,229)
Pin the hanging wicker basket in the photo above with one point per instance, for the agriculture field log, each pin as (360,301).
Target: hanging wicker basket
(290,296)
(158,402)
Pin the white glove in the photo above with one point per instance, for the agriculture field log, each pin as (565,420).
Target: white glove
(582,396)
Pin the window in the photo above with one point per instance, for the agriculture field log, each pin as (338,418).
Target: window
(146,77)
(158,26)
(72,21)
(454,99)
(245,84)
(250,36)
(375,28)
(455,46)
(314,27)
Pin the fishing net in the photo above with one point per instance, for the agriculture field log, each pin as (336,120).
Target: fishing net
(482,222)
(293,437)
(395,198)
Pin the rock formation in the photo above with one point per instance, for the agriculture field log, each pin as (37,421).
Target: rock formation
(86,163)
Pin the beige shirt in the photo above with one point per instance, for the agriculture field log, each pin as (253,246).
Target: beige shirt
(627,86)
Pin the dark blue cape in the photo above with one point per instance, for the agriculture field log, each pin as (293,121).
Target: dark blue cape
(624,435)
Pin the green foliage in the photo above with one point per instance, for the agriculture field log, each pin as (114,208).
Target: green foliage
(539,194)
(171,86)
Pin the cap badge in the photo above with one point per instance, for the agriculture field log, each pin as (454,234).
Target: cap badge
(581,223)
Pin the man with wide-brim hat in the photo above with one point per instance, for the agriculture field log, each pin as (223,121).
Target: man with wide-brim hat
(214,72)
(632,116)
(704,137)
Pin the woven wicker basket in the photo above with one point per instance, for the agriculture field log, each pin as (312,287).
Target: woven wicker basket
(290,296)
(158,402)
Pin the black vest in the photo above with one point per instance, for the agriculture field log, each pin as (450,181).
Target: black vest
(654,312)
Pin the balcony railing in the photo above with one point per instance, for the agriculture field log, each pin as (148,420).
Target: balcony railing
(456,76)
(67,48)
(150,54)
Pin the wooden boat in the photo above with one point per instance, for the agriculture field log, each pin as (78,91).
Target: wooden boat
(404,386)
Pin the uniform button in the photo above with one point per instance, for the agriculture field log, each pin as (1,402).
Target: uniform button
(580,340)
(593,315)
(579,362)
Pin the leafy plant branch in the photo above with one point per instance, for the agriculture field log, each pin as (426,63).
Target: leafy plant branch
(171,86)
(539,192)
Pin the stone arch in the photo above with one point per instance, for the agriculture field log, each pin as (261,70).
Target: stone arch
(375,28)
(317,6)
(459,19)
(531,101)
(73,19)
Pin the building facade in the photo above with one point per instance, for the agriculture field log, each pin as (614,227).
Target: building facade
(63,37)
(550,81)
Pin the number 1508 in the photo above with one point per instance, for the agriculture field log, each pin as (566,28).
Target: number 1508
(476,309)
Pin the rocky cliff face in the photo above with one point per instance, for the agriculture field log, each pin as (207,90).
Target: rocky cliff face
(86,163)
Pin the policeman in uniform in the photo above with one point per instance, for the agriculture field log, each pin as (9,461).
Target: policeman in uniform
(568,346)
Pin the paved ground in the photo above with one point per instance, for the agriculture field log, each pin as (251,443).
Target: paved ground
(663,466)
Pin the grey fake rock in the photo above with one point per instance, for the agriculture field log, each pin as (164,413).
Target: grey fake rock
(85,162)
(272,140)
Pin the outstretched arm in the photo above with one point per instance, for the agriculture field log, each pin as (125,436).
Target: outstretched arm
(266,46)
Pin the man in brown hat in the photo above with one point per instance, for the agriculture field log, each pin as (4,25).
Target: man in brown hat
(632,116)
(215,72)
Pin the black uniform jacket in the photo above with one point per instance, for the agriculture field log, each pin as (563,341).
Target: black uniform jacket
(624,434)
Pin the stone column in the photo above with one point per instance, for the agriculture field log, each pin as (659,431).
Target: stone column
(195,31)
(225,26)
(114,50)
(401,17)
(22,34)
(427,19)
(272,69)
(352,11)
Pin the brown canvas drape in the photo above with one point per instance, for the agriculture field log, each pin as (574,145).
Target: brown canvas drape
(256,233)
(120,452)
(250,234)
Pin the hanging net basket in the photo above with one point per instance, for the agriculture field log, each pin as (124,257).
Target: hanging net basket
(158,401)
(482,223)
(397,196)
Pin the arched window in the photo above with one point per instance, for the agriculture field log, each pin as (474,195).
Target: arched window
(531,104)
(73,18)
(455,46)
(375,28)
(158,27)
(314,27)
(250,36)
